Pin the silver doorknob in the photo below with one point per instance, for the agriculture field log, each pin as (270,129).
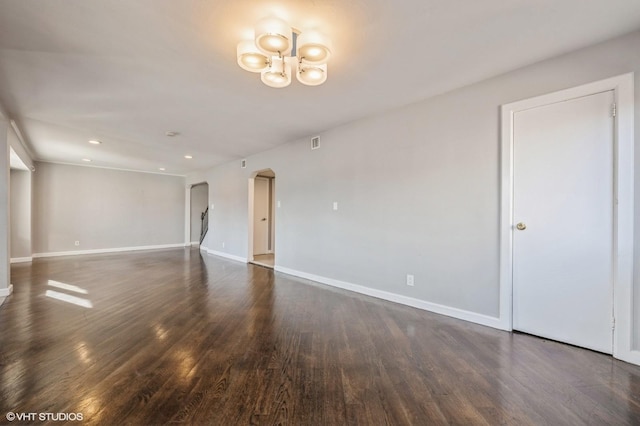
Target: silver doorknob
(521,226)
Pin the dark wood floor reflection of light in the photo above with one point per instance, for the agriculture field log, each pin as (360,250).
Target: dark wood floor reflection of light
(173,337)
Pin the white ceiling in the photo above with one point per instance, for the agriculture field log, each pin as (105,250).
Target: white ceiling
(125,72)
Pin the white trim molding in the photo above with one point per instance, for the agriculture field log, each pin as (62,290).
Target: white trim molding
(623,88)
(108,250)
(21,259)
(397,298)
(4,292)
(187,215)
(227,256)
(21,148)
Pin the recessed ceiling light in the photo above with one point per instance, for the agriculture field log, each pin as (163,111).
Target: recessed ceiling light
(188,157)
(162,169)
(94,142)
(172,134)
(88,160)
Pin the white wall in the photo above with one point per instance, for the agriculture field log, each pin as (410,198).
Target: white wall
(20,205)
(417,187)
(228,221)
(104,209)
(199,201)
(5,229)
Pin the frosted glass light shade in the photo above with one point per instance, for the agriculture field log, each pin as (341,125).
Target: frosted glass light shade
(273,36)
(312,75)
(278,75)
(313,47)
(250,58)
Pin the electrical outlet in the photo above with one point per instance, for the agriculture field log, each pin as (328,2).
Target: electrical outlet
(410,280)
(77,243)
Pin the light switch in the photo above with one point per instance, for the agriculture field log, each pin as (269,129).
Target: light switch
(278,203)
(335,205)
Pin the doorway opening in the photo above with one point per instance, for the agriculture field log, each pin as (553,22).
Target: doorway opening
(261,216)
(199,213)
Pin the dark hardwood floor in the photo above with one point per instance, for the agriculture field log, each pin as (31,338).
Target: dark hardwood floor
(173,337)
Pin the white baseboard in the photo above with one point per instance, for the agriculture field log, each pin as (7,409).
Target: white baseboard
(203,248)
(397,298)
(4,292)
(195,243)
(227,256)
(21,259)
(109,250)
(632,357)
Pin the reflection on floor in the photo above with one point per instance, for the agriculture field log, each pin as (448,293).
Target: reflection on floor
(178,337)
(264,260)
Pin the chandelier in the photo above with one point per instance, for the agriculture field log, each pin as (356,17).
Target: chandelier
(277,51)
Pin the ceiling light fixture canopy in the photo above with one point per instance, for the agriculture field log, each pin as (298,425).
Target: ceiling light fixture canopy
(270,54)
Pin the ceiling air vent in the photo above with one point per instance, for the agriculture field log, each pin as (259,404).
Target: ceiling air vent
(315,142)
(243,164)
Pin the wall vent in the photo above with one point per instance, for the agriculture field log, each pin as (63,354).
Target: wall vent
(243,164)
(315,142)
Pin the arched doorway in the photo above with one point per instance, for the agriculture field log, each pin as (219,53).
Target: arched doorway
(199,213)
(261,226)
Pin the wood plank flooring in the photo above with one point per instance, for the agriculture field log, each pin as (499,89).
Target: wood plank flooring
(174,337)
(267,260)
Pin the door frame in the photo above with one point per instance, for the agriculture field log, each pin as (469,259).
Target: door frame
(269,218)
(191,242)
(250,213)
(187,210)
(623,306)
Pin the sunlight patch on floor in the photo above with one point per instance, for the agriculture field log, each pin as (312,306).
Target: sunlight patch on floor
(79,301)
(69,287)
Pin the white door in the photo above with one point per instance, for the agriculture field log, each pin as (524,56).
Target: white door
(563,195)
(261,213)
